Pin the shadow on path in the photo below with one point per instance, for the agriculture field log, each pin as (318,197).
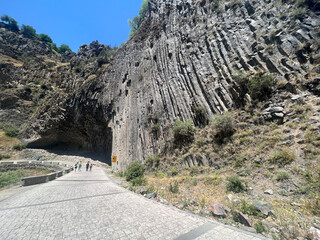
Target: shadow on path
(60,201)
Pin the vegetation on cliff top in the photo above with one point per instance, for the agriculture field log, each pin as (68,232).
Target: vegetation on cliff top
(135,23)
(29,32)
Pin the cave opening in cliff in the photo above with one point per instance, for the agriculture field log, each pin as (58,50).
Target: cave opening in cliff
(89,140)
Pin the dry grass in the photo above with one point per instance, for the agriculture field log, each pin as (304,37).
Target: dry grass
(7,59)
(289,218)
(7,142)
(252,141)
(208,187)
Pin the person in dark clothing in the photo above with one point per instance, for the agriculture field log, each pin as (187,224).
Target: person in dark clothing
(76,166)
(87,166)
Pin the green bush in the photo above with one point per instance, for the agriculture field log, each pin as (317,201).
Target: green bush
(235,184)
(139,181)
(135,23)
(44,38)
(247,208)
(10,130)
(28,31)
(159,173)
(19,147)
(64,48)
(260,86)
(201,116)
(135,170)
(183,132)
(174,187)
(201,141)
(174,171)
(152,161)
(4,156)
(223,127)
(53,46)
(282,157)
(282,175)
(212,180)
(151,189)
(12,23)
(259,227)
(10,177)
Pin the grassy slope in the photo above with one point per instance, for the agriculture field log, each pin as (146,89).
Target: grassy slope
(296,184)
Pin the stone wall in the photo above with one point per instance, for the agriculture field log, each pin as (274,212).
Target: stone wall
(59,169)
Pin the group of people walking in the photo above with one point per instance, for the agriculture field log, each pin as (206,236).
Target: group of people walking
(78,166)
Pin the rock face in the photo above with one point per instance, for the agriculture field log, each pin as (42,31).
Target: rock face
(243,218)
(218,210)
(184,55)
(263,207)
(274,113)
(314,234)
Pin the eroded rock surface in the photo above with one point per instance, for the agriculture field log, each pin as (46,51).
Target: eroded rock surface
(184,55)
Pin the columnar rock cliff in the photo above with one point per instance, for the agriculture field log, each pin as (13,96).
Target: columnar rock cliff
(184,55)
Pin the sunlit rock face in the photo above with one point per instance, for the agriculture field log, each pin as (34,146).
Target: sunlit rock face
(184,55)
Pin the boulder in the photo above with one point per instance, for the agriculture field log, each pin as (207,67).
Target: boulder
(163,201)
(287,142)
(242,218)
(263,207)
(314,233)
(275,112)
(143,191)
(288,87)
(218,210)
(151,195)
(260,161)
(300,141)
(268,191)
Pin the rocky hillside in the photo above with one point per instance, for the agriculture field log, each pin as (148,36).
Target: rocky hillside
(190,61)
(35,82)
(184,56)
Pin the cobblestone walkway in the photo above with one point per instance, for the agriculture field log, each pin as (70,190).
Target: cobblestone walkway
(87,205)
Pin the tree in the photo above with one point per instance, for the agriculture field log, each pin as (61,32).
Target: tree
(183,132)
(64,48)
(135,23)
(144,9)
(28,31)
(53,46)
(44,38)
(223,127)
(260,86)
(12,23)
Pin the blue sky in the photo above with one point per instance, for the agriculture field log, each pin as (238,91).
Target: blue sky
(75,22)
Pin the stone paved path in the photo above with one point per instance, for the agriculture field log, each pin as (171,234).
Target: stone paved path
(87,205)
